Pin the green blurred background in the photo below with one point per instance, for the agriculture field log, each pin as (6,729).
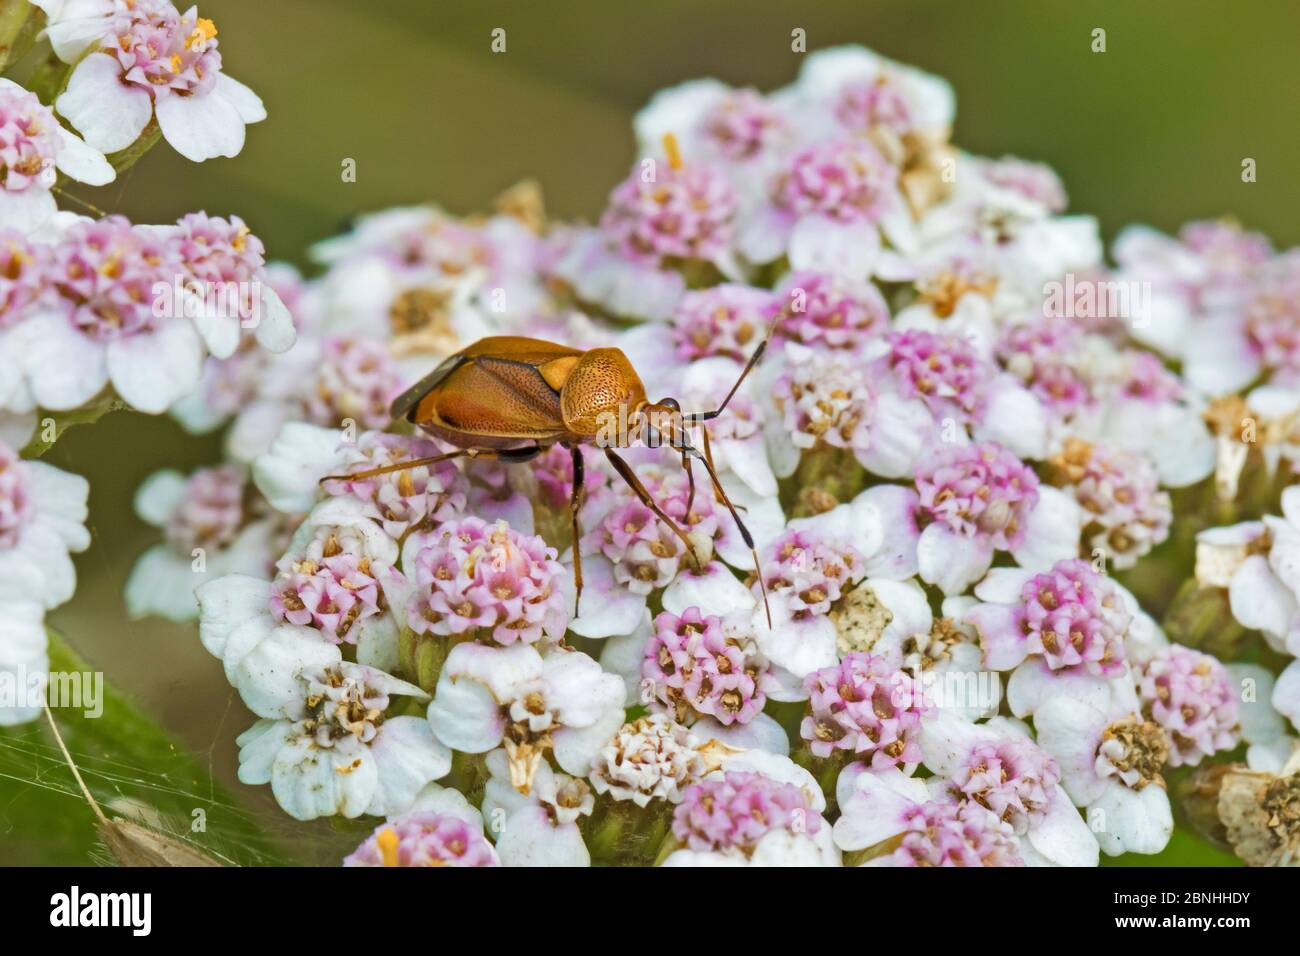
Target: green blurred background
(1153,130)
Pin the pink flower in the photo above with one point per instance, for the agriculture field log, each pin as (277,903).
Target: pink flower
(826,310)
(469,574)
(98,322)
(331,594)
(847,180)
(415,497)
(424,838)
(34,149)
(863,105)
(811,570)
(553,470)
(1125,512)
(20,277)
(737,811)
(228,263)
(943,371)
(1191,695)
(211,510)
(1011,777)
(698,668)
(826,399)
(727,319)
(153,62)
(1035,181)
(683,213)
(1069,616)
(978,491)
(865,707)
(357,379)
(1038,353)
(943,834)
(742,124)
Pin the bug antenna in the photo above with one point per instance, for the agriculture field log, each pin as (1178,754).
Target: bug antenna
(701,417)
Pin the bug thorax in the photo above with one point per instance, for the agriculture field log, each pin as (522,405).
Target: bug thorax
(603,398)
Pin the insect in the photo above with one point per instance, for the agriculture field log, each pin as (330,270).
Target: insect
(509,399)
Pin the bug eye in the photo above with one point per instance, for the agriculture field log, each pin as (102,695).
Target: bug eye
(671,403)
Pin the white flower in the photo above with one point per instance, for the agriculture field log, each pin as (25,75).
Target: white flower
(42,518)
(150,62)
(487,696)
(998,765)
(24,664)
(207,533)
(325,743)
(1111,765)
(34,148)
(539,827)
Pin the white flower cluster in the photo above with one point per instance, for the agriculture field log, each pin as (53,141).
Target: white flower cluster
(97,310)
(956,435)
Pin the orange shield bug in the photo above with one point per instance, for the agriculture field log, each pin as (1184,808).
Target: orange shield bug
(510,398)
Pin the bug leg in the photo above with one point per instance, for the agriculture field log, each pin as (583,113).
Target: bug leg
(399,466)
(627,474)
(507,455)
(690,477)
(575,505)
(744,532)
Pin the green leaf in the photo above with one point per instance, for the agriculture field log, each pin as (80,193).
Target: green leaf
(134,769)
(60,422)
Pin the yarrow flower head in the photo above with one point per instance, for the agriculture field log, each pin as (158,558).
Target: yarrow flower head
(1192,697)
(425,838)
(742,124)
(331,594)
(683,213)
(1011,777)
(1038,354)
(821,309)
(727,320)
(149,61)
(1070,615)
(1126,513)
(946,834)
(652,758)
(225,264)
(813,571)
(825,400)
(979,490)
(356,380)
(1273,319)
(404,500)
(645,553)
(211,512)
(34,149)
(866,708)
(700,666)
(944,371)
(98,322)
(469,574)
(847,180)
(738,810)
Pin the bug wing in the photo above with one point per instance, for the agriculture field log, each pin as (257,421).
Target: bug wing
(404,403)
(512,348)
(516,348)
(491,397)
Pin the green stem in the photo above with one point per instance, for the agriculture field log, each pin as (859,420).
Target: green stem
(18,29)
(124,160)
